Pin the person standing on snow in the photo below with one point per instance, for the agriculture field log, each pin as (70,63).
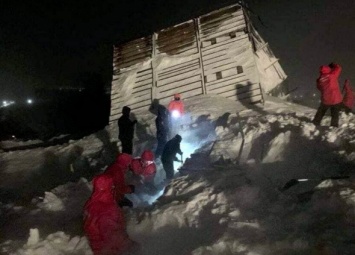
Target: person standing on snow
(331,97)
(126,130)
(348,100)
(104,223)
(176,110)
(163,129)
(144,166)
(117,171)
(169,155)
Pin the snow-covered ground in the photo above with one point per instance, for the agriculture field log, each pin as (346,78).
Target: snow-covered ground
(227,197)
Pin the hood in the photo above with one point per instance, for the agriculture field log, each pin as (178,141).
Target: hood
(126,110)
(124,159)
(178,137)
(177,95)
(147,155)
(102,188)
(325,69)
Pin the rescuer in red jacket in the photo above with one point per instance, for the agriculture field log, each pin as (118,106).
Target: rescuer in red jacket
(118,171)
(331,97)
(176,106)
(104,222)
(144,166)
(348,100)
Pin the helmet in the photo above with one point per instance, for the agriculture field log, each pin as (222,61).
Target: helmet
(147,155)
(177,96)
(178,137)
(325,69)
(102,182)
(124,159)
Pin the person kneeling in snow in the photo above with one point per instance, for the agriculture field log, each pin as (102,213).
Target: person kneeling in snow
(348,99)
(169,155)
(104,222)
(117,171)
(144,166)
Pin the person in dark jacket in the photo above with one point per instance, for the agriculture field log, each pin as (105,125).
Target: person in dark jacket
(163,129)
(169,155)
(126,130)
(104,222)
(331,97)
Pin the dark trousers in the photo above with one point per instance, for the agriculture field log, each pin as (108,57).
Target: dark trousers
(334,113)
(168,166)
(127,146)
(160,147)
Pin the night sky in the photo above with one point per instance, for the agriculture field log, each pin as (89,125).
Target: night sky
(47,43)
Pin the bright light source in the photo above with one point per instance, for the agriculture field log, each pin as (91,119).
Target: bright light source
(4,102)
(175,114)
(29,101)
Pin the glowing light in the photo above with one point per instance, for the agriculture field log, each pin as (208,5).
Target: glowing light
(175,114)
(29,101)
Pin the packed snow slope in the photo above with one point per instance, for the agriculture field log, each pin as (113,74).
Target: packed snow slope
(227,197)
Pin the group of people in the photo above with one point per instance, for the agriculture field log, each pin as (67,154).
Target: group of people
(331,96)
(104,222)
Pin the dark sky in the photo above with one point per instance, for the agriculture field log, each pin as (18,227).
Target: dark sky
(49,43)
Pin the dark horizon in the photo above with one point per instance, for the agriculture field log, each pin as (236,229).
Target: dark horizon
(46,45)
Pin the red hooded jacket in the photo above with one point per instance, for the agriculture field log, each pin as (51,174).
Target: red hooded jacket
(117,171)
(328,85)
(348,99)
(144,166)
(104,222)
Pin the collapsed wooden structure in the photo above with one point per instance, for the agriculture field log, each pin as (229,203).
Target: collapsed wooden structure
(217,53)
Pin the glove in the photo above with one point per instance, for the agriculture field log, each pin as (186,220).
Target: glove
(133,188)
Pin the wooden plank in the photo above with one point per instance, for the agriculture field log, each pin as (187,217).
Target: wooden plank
(227,24)
(133,51)
(239,97)
(212,25)
(165,97)
(214,55)
(184,52)
(239,87)
(180,71)
(216,60)
(220,14)
(221,33)
(182,64)
(144,82)
(238,78)
(144,72)
(194,81)
(132,63)
(142,87)
(186,76)
(124,59)
(176,38)
(141,95)
(227,62)
(178,29)
(138,43)
(144,78)
(178,48)
(225,44)
(221,67)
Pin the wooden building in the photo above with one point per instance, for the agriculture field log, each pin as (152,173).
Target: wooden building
(217,53)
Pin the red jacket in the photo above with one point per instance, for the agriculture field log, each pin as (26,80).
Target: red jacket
(117,171)
(104,222)
(144,166)
(328,85)
(348,99)
(176,105)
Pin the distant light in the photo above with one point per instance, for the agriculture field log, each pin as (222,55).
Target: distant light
(13,136)
(314,94)
(29,101)
(4,102)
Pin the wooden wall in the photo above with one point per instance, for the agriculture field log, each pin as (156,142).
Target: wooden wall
(212,54)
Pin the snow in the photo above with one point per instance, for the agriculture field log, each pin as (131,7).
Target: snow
(226,197)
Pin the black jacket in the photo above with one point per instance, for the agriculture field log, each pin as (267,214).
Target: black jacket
(125,128)
(170,149)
